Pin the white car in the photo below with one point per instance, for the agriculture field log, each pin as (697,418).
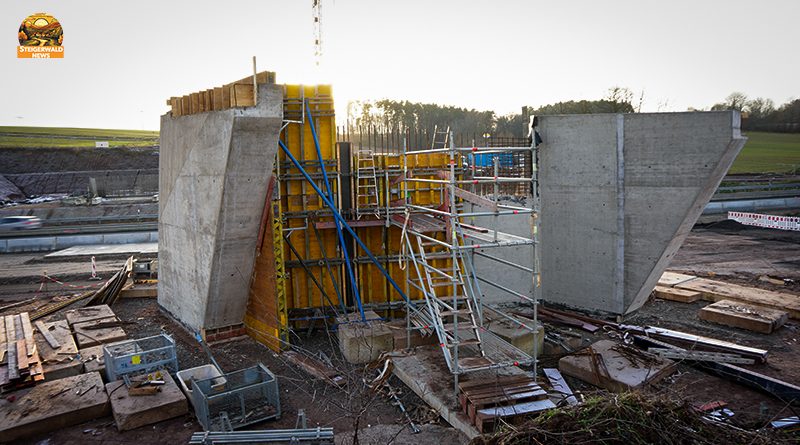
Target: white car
(20,223)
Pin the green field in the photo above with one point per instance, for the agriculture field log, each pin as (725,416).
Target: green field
(769,153)
(32,137)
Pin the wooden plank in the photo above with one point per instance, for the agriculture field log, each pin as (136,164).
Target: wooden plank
(47,335)
(226,98)
(496,383)
(477,199)
(744,316)
(13,371)
(486,417)
(218,103)
(676,294)
(195,103)
(670,279)
(3,345)
(504,399)
(718,290)
(11,341)
(22,356)
(243,95)
(27,331)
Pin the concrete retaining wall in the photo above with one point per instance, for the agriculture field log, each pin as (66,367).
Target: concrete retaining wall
(50,243)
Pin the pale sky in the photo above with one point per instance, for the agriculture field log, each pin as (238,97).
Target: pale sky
(123,59)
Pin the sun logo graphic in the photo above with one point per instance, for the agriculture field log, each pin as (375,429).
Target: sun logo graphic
(40,37)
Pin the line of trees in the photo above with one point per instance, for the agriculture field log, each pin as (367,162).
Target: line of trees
(391,116)
(761,114)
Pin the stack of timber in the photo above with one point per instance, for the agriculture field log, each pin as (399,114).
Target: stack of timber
(241,93)
(107,294)
(689,288)
(19,365)
(486,402)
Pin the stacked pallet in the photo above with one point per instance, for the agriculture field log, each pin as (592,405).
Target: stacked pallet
(235,94)
(19,365)
(486,401)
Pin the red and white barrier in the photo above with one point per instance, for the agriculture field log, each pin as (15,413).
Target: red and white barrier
(769,221)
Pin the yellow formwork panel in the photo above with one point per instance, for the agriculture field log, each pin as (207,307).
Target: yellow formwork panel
(300,205)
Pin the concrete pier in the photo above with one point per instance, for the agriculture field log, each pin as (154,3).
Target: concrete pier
(620,192)
(213,173)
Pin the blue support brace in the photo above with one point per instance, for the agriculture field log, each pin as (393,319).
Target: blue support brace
(341,219)
(338,225)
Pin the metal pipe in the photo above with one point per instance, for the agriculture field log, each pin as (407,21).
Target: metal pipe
(503,288)
(340,218)
(506,262)
(308,271)
(338,226)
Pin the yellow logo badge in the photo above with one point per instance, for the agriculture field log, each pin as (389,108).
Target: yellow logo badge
(40,37)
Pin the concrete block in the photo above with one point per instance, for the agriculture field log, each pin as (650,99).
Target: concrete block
(52,405)
(398,328)
(363,342)
(88,313)
(522,338)
(86,337)
(134,411)
(618,371)
(60,362)
(93,359)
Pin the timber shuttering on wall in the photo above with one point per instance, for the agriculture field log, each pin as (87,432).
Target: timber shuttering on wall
(296,246)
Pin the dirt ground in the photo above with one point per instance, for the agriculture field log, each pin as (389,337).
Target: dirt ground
(725,251)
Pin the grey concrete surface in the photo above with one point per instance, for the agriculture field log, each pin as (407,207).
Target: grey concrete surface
(620,193)
(214,168)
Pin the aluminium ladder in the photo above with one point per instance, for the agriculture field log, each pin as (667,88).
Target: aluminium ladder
(367,201)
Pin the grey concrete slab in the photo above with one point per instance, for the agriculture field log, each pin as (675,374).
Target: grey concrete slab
(214,169)
(50,406)
(619,195)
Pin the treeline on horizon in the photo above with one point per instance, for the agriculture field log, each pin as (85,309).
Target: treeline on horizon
(397,116)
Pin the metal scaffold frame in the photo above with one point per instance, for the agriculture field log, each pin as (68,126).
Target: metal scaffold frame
(442,231)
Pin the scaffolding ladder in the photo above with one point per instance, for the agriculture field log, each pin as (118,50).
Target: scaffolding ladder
(451,306)
(367,201)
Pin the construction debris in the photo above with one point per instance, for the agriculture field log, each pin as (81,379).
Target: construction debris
(62,360)
(616,367)
(560,387)
(630,418)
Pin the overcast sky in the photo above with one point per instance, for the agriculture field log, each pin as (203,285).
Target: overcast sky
(123,59)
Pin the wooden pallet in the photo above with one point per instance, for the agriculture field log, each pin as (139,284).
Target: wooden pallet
(240,93)
(486,402)
(20,365)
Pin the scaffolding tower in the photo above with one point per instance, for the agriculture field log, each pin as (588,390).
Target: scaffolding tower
(441,246)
